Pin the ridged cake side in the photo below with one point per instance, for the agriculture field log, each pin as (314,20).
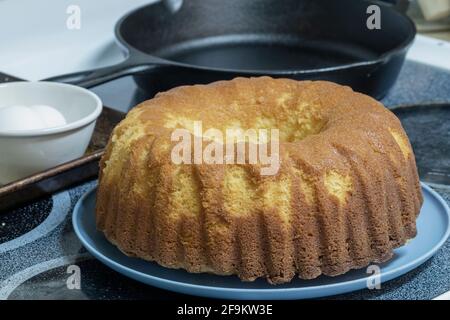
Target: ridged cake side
(347,192)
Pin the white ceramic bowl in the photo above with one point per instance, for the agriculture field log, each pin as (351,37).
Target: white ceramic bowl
(23,153)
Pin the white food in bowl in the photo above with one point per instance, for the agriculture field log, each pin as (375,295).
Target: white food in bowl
(24,152)
(49,115)
(18,117)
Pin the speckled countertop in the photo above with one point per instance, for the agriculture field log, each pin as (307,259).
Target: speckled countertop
(37,242)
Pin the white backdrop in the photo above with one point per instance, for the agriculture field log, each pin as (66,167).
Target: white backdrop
(35,42)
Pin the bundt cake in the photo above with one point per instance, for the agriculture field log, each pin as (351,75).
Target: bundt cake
(345,195)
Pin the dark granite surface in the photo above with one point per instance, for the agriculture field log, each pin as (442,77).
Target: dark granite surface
(419,84)
(22,220)
(37,243)
(428,128)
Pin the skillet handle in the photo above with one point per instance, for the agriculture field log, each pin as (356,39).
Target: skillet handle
(92,78)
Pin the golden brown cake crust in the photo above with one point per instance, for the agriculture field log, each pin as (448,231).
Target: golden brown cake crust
(347,192)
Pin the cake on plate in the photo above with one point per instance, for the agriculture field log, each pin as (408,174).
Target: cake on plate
(346,192)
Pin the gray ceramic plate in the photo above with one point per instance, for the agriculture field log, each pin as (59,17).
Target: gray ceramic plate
(433,227)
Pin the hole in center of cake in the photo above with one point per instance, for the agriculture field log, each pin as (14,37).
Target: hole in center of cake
(294,123)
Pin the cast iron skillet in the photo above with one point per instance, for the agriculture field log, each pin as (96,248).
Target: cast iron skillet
(209,40)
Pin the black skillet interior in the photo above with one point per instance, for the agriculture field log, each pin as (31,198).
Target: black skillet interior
(301,39)
(264,35)
(210,40)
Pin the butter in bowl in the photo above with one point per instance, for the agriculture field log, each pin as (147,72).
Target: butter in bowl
(42,125)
